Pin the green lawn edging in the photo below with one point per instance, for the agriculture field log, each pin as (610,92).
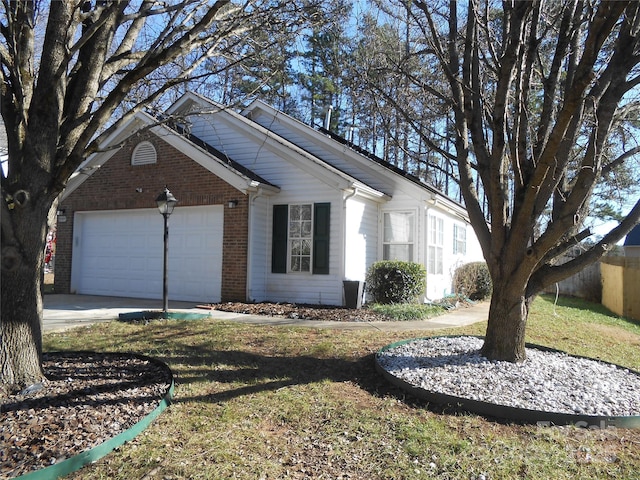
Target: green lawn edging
(160,315)
(539,417)
(76,462)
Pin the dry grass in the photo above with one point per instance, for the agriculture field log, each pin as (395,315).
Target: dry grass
(268,402)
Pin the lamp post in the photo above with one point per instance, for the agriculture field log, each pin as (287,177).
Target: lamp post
(166,203)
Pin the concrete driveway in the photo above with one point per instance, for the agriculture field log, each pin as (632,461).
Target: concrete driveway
(66,311)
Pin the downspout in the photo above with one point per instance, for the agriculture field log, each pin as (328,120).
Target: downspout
(344,229)
(250,244)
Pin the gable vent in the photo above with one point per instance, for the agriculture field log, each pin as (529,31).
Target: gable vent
(144,154)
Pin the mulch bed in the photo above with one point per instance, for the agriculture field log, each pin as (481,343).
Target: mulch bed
(302,311)
(87,399)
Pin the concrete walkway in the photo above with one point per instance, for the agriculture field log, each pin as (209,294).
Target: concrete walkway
(68,311)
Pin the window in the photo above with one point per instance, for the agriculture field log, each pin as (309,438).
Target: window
(397,242)
(300,238)
(144,154)
(436,243)
(459,239)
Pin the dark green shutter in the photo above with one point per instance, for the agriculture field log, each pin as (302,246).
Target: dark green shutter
(279,243)
(321,238)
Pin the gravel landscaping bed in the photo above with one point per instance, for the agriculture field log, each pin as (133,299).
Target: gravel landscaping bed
(546,381)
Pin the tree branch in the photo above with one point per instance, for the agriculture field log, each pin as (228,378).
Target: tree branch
(549,274)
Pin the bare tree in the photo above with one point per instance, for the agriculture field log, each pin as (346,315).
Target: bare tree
(536,90)
(67,68)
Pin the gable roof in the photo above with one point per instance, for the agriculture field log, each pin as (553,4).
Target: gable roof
(194,104)
(365,159)
(238,167)
(208,157)
(395,169)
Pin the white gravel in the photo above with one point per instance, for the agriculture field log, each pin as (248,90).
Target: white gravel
(546,381)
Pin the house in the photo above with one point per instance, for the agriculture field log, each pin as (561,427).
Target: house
(269,209)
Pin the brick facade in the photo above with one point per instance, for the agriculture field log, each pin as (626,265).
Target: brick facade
(117,184)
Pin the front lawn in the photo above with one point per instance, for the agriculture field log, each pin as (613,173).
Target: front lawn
(271,402)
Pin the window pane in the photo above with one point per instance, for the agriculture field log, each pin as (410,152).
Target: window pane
(398,236)
(431,268)
(305,247)
(436,230)
(398,252)
(306,228)
(432,229)
(296,247)
(305,265)
(434,260)
(459,239)
(295,264)
(398,227)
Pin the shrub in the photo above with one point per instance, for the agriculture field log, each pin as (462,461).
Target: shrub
(395,281)
(473,281)
(408,311)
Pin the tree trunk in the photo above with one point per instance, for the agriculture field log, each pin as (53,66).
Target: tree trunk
(21,330)
(505,336)
(21,313)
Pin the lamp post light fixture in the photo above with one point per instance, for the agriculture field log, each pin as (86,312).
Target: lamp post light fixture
(166,203)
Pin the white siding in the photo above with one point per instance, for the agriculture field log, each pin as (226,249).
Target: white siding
(257,151)
(299,183)
(361,239)
(439,286)
(307,287)
(406,196)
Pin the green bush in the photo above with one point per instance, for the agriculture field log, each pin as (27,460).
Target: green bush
(473,281)
(395,281)
(408,311)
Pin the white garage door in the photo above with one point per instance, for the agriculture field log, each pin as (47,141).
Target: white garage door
(120,253)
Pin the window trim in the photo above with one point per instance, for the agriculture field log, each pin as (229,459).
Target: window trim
(291,240)
(459,239)
(413,233)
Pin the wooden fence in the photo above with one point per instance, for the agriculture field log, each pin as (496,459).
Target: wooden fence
(621,285)
(585,284)
(614,282)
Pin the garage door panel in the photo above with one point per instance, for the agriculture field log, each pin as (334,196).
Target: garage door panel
(120,253)
(133,264)
(192,241)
